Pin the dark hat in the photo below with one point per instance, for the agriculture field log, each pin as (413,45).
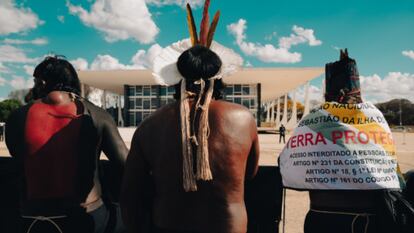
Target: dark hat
(342,80)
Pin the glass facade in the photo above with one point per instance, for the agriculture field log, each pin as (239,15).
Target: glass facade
(141,101)
(144,100)
(246,95)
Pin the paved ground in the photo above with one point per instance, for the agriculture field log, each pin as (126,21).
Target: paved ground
(297,203)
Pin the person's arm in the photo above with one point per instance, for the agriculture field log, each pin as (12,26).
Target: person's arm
(112,143)
(136,192)
(253,159)
(14,129)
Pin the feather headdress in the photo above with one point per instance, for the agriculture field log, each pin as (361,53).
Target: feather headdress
(165,72)
(206,30)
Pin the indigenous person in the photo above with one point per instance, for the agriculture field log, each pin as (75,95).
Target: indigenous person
(197,151)
(341,90)
(57,140)
(343,153)
(282,132)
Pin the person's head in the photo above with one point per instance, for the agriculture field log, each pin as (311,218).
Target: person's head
(197,63)
(342,80)
(55,73)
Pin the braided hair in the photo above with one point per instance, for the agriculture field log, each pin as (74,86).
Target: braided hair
(199,67)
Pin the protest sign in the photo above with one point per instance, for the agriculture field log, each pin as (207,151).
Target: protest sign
(341,147)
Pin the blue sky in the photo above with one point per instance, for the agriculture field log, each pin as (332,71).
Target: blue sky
(126,34)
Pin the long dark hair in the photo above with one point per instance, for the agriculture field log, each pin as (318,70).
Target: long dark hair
(196,63)
(55,73)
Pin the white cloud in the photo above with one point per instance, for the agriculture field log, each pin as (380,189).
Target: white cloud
(107,62)
(15,19)
(270,36)
(2,81)
(119,19)
(13,54)
(336,48)
(408,53)
(300,36)
(141,60)
(393,85)
(95,96)
(61,18)
(80,63)
(268,52)
(182,3)
(145,59)
(265,53)
(248,64)
(37,41)
(29,69)
(237,29)
(19,82)
(315,93)
(4,69)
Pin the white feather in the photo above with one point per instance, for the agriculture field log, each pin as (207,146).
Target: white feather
(165,70)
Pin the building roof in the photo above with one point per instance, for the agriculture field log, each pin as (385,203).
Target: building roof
(274,82)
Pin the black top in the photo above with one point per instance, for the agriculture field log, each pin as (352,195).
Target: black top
(98,133)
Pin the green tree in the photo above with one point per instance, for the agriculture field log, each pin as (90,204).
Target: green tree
(7,107)
(391,111)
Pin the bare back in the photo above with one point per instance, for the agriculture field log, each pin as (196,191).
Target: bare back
(218,205)
(59,144)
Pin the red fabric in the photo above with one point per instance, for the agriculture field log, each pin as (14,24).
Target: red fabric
(51,137)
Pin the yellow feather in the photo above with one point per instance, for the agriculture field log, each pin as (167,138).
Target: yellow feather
(191,26)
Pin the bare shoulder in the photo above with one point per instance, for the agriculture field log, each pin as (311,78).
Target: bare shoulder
(230,111)
(163,116)
(222,111)
(162,113)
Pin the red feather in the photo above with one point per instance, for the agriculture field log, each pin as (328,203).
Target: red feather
(212,29)
(204,28)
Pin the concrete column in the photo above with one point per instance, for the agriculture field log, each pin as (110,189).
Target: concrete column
(272,116)
(104,99)
(284,118)
(259,104)
(268,112)
(294,116)
(120,118)
(323,90)
(83,94)
(278,113)
(307,105)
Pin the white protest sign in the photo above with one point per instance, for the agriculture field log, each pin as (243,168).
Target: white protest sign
(341,147)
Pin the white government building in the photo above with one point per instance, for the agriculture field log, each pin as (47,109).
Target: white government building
(258,89)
